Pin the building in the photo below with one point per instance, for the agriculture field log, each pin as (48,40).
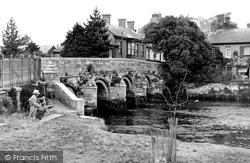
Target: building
(57,52)
(125,41)
(47,50)
(235,45)
(152,55)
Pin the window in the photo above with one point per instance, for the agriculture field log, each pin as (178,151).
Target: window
(133,49)
(148,54)
(129,48)
(136,49)
(229,68)
(142,50)
(213,50)
(246,50)
(228,52)
(120,47)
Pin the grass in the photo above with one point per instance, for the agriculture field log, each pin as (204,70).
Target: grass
(85,140)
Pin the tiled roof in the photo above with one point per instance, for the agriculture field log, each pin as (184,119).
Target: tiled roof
(232,36)
(46,49)
(124,32)
(59,49)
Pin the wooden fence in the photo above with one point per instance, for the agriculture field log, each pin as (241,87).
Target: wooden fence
(18,71)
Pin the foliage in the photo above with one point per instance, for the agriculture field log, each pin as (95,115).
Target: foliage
(97,35)
(90,68)
(13,94)
(32,47)
(6,106)
(10,39)
(25,40)
(184,47)
(75,44)
(90,40)
(26,93)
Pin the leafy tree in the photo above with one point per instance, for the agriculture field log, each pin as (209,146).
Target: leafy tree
(32,47)
(25,40)
(90,40)
(10,39)
(184,48)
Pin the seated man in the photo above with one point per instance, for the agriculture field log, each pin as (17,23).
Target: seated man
(35,108)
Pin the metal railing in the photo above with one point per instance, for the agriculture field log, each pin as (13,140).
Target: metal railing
(18,71)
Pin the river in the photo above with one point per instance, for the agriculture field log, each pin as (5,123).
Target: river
(226,123)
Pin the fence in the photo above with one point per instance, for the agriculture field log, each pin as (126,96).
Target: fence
(18,71)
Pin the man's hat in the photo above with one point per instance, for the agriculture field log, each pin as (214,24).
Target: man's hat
(36,92)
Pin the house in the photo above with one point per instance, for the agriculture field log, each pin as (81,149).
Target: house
(57,51)
(125,41)
(151,54)
(47,50)
(235,45)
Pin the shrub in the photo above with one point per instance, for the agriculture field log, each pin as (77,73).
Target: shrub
(6,106)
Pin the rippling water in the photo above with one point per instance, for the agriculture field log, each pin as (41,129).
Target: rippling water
(211,122)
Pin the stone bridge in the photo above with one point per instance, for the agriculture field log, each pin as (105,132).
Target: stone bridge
(111,83)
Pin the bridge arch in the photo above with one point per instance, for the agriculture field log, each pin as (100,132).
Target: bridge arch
(102,89)
(149,82)
(128,82)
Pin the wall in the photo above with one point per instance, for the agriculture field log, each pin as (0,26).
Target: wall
(68,98)
(72,66)
(232,91)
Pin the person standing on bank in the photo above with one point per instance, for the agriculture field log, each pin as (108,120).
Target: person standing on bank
(35,108)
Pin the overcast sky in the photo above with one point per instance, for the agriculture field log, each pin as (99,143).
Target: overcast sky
(47,21)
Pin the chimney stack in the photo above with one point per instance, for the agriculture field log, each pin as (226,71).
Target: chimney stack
(107,18)
(227,20)
(131,25)
(156,17)
(122,23)
(248,25)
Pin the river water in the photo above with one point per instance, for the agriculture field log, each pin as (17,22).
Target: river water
(226,123)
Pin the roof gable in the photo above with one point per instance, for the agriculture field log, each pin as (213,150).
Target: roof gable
(232,36)
(46,49)
(123,32)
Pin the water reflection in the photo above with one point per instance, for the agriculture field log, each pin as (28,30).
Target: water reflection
(212,122)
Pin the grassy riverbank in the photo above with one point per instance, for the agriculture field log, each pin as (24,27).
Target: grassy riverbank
(84,140)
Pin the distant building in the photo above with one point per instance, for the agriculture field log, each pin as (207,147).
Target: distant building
(47,50)
(57,52)
(235,45)
(125,41)
(151,54)
(205,25)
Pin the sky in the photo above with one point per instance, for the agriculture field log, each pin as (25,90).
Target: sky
(47,22)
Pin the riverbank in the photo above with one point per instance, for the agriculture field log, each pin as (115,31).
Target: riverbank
(86,140)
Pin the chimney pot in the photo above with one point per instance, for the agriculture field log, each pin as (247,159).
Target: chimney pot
(122,23)
(107,18)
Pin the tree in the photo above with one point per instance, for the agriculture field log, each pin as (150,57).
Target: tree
(97,35)
(25,40)
(90,40)
(32,47)
(184,48)
(75,44)
(10,39)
